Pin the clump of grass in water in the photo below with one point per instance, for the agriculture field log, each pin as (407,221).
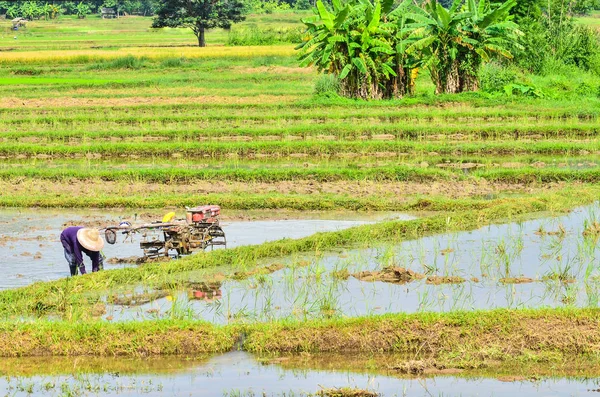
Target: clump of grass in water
(341,274)
(346,392)
(591,229)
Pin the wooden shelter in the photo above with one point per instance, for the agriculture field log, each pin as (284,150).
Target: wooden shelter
(108,13)
(18,22)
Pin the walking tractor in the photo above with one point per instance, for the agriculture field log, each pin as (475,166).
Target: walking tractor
(199,230)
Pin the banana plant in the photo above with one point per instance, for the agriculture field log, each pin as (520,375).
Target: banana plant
(350,43)
(406,65)
(437,37)
(455,42)
(491,35)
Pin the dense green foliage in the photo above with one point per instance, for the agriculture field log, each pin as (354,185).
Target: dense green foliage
(374,48)
(456,42)
(263,36)
(384,45)
(553,38)
(33,9)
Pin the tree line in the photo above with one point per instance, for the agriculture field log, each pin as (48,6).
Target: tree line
(53,8)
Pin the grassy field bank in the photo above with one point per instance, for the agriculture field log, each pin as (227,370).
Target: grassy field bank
(464,340)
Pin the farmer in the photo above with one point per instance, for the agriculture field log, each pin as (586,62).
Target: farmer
(77,240)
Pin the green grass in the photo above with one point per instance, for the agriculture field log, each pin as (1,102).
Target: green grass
(592,20)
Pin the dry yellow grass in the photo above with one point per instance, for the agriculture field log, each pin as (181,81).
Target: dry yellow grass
(66,101)
(154,53)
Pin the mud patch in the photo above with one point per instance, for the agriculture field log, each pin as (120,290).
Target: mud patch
(392,274)
(91,223)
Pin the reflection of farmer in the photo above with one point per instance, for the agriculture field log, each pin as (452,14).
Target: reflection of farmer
(77,240)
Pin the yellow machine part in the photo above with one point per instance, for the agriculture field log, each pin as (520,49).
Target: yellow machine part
(168,217)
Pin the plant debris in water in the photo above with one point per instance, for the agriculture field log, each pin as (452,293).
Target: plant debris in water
(592,230)
(516,280)
(346,392)
(420,367)
(137,299)
(260,270)
(137,260)
(437,280)
(391,274)
(343,274)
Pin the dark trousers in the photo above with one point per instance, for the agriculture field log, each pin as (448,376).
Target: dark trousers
(73,265)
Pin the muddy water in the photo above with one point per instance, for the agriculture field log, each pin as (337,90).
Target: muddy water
(562,264)
(30,249)
(239,374)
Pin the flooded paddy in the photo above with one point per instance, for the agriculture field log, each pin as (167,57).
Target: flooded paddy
(30,249)
(240,374)
(548,262)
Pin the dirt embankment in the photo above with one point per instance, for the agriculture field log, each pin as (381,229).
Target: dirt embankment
(477,336)
(450,189)
(68,102)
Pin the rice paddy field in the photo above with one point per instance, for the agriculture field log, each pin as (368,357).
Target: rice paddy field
(434,245)
(592,20)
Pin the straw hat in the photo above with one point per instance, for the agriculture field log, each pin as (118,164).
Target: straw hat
(90,239)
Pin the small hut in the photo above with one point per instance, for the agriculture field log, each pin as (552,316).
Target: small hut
(108,13)
(18,22)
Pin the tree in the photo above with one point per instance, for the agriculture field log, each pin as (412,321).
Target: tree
(355,43)
(82,10)
(455,42)
(199,15)
(31,10)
